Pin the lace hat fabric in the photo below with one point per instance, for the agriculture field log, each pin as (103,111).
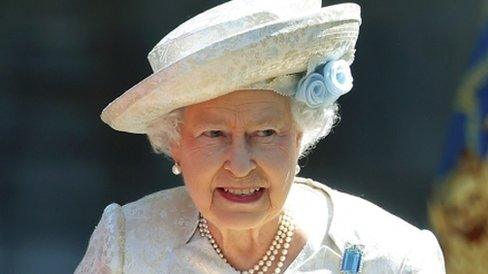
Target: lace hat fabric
(241,44)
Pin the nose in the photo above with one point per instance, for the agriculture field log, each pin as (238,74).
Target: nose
(239,158)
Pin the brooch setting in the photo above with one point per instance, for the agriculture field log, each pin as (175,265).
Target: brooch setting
(351,262)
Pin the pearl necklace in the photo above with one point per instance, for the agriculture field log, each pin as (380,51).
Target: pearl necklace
(281,241)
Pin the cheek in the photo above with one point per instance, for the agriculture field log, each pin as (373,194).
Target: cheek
(278,162)
(199,164)
(202,161)
(279,155)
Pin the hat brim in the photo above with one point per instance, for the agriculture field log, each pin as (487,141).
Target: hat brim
(268,51)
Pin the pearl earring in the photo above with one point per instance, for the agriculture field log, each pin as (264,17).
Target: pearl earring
(176,169)
(297,169)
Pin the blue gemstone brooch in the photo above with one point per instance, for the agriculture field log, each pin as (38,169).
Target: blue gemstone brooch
(351,262)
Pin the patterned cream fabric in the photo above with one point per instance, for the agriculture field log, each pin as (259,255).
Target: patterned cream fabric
(157,234)
(211,55)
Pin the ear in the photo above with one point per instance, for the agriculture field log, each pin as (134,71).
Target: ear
(299,141)
(175,149)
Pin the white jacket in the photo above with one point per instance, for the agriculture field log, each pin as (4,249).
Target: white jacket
(157,234)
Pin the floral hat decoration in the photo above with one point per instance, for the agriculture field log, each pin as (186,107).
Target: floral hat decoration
(293,47)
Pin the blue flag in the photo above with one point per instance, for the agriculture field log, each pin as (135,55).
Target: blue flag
(468,130)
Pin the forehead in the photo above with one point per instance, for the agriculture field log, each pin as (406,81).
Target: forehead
(252,106)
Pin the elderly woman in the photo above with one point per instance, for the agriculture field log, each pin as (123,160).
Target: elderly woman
(239,93)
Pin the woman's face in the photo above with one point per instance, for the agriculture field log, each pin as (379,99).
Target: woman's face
(237,155)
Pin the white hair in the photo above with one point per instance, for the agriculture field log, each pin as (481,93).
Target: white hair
(314,123)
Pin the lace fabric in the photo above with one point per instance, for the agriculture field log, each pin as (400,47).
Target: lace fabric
(157,234)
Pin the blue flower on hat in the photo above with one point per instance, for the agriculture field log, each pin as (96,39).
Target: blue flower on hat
(312,90)
(323,89)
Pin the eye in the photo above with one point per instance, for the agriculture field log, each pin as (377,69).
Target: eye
(265,133)
(213,133)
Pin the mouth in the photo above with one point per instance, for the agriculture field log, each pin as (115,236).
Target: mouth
(241,195)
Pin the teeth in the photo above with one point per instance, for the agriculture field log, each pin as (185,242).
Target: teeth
(246,191)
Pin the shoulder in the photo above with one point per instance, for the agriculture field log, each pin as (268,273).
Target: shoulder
(105,248)
(169,214)
(390,243)
(156,222)
(158,206)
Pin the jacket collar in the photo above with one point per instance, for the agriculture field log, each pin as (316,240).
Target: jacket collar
(341,229)
(337,225)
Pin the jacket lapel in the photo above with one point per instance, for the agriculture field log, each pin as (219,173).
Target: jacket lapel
(341,230)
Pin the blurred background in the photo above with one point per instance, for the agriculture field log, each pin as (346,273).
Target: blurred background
(61,62)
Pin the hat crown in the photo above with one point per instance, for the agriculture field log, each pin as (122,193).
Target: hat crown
(221,22)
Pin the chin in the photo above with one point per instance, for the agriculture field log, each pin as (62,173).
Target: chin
(239,220)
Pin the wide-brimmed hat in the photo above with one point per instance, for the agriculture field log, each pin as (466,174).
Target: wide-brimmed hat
(232,47)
